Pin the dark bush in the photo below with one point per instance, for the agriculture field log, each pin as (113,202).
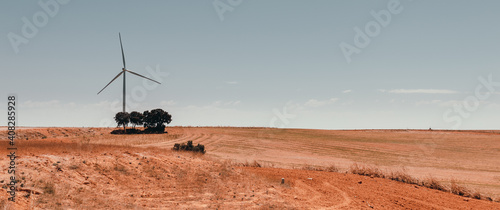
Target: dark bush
(189,147)
(159,129)
(199,148)
(134,131)
(117,132)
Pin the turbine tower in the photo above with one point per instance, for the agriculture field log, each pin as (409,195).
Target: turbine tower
(124,70)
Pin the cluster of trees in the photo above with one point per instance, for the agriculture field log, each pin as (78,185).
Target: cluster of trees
(154,120)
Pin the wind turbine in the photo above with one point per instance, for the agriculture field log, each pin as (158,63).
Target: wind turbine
(124,70)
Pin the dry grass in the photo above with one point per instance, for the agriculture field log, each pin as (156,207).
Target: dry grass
(364,170)
(332,168)
(429,182)
(50,196)
(403,176)
(433,183)
(120,168)
(48,187)
(73,167)
(459,190)
(477,195)
(253,164)
(126,175)
(311,168)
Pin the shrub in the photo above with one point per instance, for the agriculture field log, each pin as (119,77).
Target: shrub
(189,147)
(254,164)
(477,195)
(117,132)
(176,146)
(402,176)
(432,183)
(429,182)
(120,168)
(133,131)
(73,167)
(366,171)
(332,168)
(459,190)
(48,188)
(199,148)
(311,168)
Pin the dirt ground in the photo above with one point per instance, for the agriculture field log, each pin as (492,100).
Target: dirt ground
(88,168)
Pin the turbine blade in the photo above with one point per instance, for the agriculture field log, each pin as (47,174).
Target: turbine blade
(142,76)
(123,54)
(110,82)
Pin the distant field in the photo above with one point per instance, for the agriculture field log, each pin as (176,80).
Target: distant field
(470,157)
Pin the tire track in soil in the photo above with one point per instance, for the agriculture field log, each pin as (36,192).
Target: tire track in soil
(213,142)
(347,199)
(315,196)
(306,191)
(168,143)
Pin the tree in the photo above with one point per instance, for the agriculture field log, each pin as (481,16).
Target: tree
(155,119)
(122,118)
(136,118)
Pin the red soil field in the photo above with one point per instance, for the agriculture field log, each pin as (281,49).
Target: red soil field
(88,168)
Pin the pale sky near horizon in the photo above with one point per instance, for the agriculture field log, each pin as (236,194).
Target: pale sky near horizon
(258,63)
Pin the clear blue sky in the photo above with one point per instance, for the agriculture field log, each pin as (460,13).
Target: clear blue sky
(246,63)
